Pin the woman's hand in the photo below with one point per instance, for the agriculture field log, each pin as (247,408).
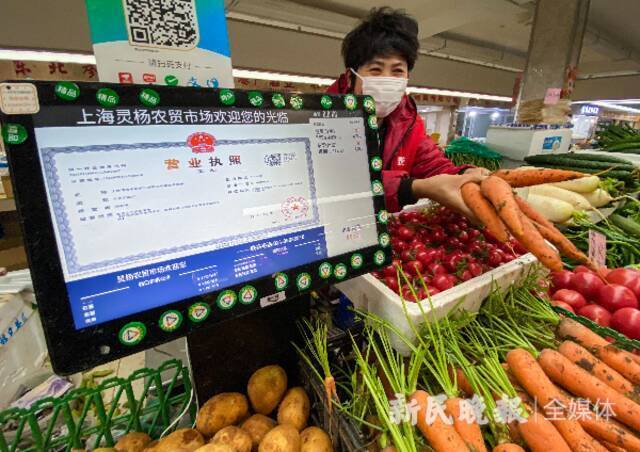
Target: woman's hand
(445,190)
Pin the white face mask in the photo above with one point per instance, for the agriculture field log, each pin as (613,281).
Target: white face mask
(387,92)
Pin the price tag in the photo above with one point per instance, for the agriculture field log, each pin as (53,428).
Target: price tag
(19,99)
(552,96)
(597,248)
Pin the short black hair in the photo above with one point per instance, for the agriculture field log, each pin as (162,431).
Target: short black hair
(384,32)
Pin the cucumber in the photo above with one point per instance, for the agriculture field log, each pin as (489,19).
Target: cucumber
(598,158)
(561,159)
(621,146)
(626,224)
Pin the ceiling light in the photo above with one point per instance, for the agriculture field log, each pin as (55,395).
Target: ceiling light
(42,55)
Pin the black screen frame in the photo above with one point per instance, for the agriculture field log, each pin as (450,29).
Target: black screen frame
(73,350)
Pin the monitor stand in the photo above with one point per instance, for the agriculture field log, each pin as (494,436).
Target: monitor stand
(224,356)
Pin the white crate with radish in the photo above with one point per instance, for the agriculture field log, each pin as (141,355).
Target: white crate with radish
(443,255)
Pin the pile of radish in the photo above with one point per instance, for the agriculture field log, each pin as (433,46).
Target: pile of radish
(440,249)
(612,302)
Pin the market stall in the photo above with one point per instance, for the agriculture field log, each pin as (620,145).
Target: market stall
(461,338)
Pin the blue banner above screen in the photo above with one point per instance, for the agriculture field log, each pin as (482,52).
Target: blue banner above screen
(146,211)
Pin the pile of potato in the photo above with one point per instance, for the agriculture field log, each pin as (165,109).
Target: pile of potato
(225,423)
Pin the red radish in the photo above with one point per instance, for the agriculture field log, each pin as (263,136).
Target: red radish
(433,290)
(627,321)
(561,280)
(436,269)
(563,305)
(614,296)
(588,284)
(570,297)
(475,269)
(442,282)
(626,277)
(405,233)
(392,283)
(596,313)
(582,269)
(389,271)
(415,267)
(466,275)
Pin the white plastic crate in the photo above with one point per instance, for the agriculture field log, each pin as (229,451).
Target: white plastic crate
(368,293)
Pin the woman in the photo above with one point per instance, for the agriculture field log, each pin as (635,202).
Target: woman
(379,55)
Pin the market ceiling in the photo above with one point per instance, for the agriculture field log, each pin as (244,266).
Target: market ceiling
(487,32)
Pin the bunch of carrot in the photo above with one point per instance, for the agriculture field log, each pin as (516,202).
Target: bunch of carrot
(504,213)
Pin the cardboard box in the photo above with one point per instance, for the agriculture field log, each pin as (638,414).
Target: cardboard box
(8,188)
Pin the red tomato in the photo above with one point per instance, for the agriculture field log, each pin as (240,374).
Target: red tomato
(399,245)
(614,296)
(427,256)
(442,282)
(466,275)
(561,280)
(407,295)
(582,269)
(587,283)
(453,262)
(563,305)
(627,321)
(494,259)
(436,269)
(438,235)
(463,236)
(570,297)
(596,313)
(392,283)
(626,277)
(433,290)
(475,269)
(404,233)
(407,255)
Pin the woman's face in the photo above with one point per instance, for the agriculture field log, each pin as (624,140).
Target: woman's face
(391,66)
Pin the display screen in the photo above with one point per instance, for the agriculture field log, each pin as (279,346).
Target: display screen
(149,208)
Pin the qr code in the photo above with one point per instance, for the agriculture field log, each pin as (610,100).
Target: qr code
(162,23)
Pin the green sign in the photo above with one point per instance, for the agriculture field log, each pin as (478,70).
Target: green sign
(281,281)
(171,80)
(248,294)
(384,240)
(226,299)
(350,102)
(67,90)
(373,122)
(132,333)
(278,100)
(376,164)
(325,270)
(340,271)
(227,97)
(356,260)
(14,134)
(296,102)
(377,188)
(149,97)
(107,97)
(303,281)
(198,312)
(326,102)
(369,105)
(170,321)
(255,98)
(379,257)
(383,216)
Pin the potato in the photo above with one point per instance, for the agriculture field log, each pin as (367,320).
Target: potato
(294,409)
(220,411)
(133,442)
(283,438)
(257,426)
(234,437)
(315,439)
(182,440)
(216,447)
(266,388)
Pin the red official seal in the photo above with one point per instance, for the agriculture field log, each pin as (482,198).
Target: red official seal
(201,142)
(295,208)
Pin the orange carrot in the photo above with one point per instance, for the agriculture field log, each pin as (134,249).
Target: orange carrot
(501,196)
(602,429)
(540,434)
(461,380)
(484,210)
(507,447)
(533,379)
(532,240)
(442,436)
(580,383)
(617,359)
(469,431)
(330,391)
(564,245)
(528,177)
(582,358)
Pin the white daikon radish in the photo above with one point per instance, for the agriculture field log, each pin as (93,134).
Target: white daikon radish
(582,185)
(575,199)
(598,198)
(552,209)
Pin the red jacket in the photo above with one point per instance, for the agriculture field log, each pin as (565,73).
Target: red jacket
(407,152)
